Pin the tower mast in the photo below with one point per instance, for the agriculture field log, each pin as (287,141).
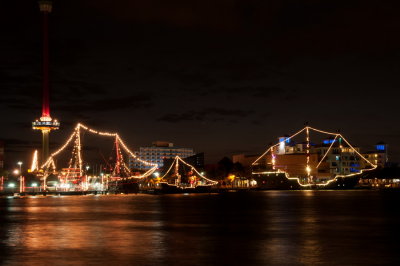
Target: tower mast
(45,123)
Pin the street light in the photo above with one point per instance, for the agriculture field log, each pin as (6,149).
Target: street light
(12,186)
(34,185)
(102,181)
(86,178)
(21,189)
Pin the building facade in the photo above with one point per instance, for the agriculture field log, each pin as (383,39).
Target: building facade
(156,153)
(379,156)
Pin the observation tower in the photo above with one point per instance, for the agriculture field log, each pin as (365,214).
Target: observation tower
(45,123)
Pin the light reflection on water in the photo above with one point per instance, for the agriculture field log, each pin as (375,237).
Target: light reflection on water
(255,228)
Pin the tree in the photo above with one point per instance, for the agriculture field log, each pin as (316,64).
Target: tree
(225,166)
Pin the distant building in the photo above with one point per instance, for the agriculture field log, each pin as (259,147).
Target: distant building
(379,156)
(159,151)
(340,161)
(196,160)
(1,155)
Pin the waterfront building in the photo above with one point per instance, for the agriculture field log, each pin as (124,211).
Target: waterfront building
(379,155)
(156,153)
(340,161)
(291,157)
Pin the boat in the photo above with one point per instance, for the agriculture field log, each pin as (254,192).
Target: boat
(332,163)
(280,181)
(181,177)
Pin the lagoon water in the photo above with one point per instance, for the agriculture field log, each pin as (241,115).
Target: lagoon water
(244,228)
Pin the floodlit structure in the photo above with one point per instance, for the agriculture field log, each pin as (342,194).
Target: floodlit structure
(45,123)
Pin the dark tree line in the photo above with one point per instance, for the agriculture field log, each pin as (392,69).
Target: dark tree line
(226,167)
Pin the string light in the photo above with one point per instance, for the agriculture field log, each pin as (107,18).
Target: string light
(330,147)
(76,133)
(316,184)
(197,172)
(146,174)
(169,169)
(76,160)
(308,167)
(323,132)
(289,138)
(262,155)
(373,165)
(35,165)
(120,160)
(78,149)
(273,160)
(78,136)
(53,164)
(59,150)
(176,161)
(178,180)
(133,155)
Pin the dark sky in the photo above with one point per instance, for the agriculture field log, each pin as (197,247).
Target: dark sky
(221,76)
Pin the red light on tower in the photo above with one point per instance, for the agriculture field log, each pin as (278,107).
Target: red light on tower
(45,123)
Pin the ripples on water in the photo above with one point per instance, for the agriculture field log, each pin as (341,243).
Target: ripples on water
(254,228)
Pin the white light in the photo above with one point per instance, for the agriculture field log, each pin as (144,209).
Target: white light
(16,172)
(282,147)
(308,169)
(157,174)
(35,165)
(11,185)
(19,163)
(34,185)
(65,185)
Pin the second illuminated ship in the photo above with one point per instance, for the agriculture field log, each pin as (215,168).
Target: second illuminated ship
(331,164)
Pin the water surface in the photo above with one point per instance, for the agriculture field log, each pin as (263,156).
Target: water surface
(249,228)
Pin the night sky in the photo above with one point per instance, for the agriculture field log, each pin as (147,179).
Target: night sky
(220,76)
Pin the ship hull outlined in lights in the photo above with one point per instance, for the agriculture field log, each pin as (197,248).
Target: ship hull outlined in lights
(294,164)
